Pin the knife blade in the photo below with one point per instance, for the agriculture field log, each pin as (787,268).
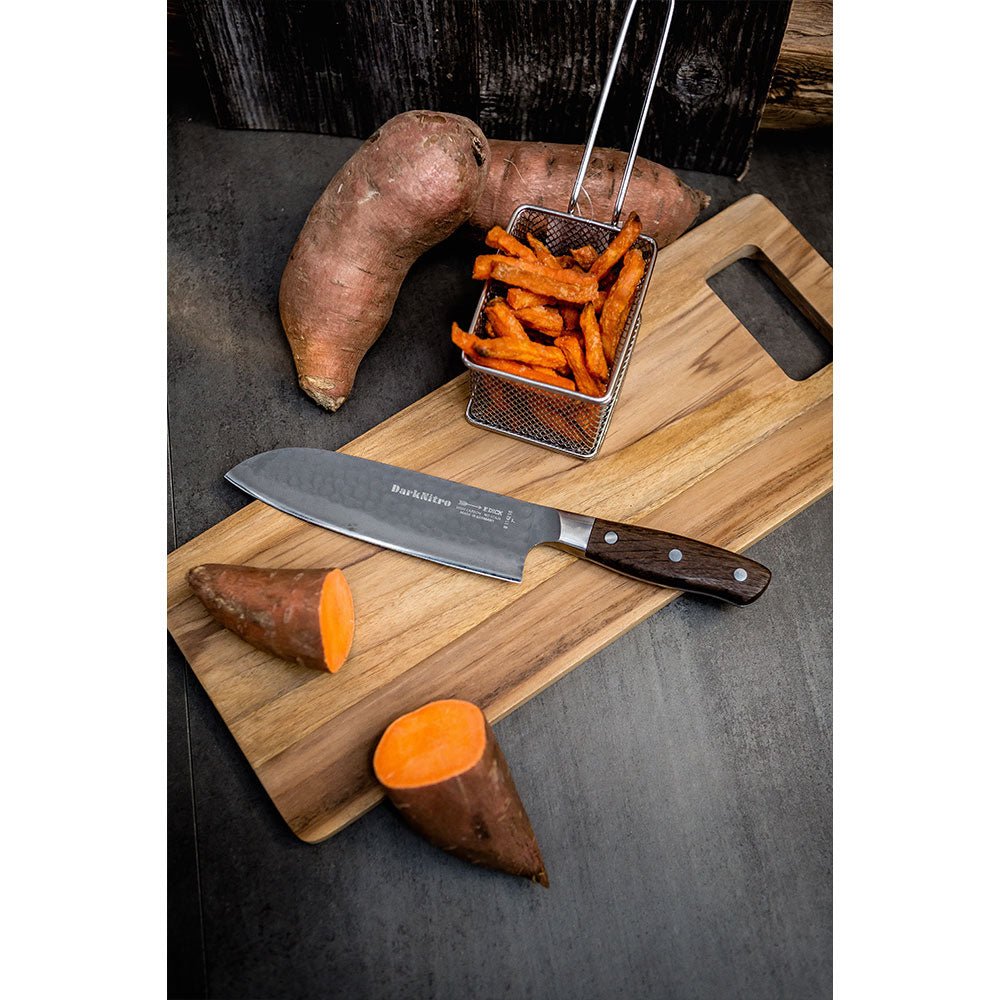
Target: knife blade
(479,531)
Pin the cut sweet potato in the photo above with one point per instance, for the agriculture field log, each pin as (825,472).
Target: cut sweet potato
(619,302)
(546,375)
(442,768)
(518,298)
(500,239)
(572,349)
(557,282)
(527,352)
(542,253)
(545,319)
(594,348)
(503,320)
(628,234)
(571,317)
(302,615)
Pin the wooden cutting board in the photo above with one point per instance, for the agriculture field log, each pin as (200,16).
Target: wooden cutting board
(709,439)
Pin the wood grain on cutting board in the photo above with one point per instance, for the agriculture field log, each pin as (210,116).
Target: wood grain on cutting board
(709,439)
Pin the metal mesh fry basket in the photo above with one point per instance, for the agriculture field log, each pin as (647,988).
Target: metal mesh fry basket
(556,418)
(560,419)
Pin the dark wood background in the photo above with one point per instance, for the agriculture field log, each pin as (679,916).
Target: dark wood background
(522,69)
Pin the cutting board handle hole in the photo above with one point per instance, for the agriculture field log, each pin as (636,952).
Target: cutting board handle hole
(779,319)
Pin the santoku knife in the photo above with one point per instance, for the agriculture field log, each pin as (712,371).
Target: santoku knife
(478,531)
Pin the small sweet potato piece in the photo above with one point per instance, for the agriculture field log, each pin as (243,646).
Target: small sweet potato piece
(505,323)
(528,353)
(442,768)
(546,375)
(518,298)
(619,301)
(542,318)
(585,382)
(500,239)
(628,234)
(302,615)
(466,341)
(584,256)
(542,251)
(482,266)
(560,283)
(594,348)
(571,317)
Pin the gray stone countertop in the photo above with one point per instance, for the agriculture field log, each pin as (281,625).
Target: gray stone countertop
(679,782)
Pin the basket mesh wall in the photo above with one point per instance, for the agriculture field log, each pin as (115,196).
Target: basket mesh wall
(562,420)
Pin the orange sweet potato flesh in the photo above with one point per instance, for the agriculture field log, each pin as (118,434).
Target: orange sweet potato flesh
(413,183)
(619,302)
(302,615)
(443,769)
(542,173)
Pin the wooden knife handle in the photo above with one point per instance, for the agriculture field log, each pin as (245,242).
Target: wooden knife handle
(674,561)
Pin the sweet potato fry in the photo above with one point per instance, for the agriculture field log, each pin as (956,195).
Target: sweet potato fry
(585,382)
(542,251)
(593,347)
(570,317)
(535,277)
(598,301)
(504,322)
(518,298)
(527,352)
(545,319)
(507,265)
(484,265)
(584,256)
(462,339)
(546,375)
(500,239)
(619,245)
(619,301)
(508,349)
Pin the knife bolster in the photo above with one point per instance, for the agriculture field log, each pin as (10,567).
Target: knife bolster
(574,532)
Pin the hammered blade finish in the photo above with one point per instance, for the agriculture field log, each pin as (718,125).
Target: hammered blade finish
(436,519)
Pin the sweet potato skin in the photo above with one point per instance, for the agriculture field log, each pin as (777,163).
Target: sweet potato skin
(276,610)
(411,184)
(477,816)
(542,173)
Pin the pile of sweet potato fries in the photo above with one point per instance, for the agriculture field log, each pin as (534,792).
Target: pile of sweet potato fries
(562,317)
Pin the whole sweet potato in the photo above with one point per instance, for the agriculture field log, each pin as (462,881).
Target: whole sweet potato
(414,182)
(542,173)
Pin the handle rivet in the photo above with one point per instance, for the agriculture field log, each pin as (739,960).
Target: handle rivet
(675,555)
(611,537)
(740,574)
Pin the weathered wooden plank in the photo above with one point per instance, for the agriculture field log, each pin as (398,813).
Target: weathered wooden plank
(524,69)
(248,49)
(407,55)
(801,92)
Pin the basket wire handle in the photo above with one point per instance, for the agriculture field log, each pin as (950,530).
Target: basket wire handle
(592,138)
